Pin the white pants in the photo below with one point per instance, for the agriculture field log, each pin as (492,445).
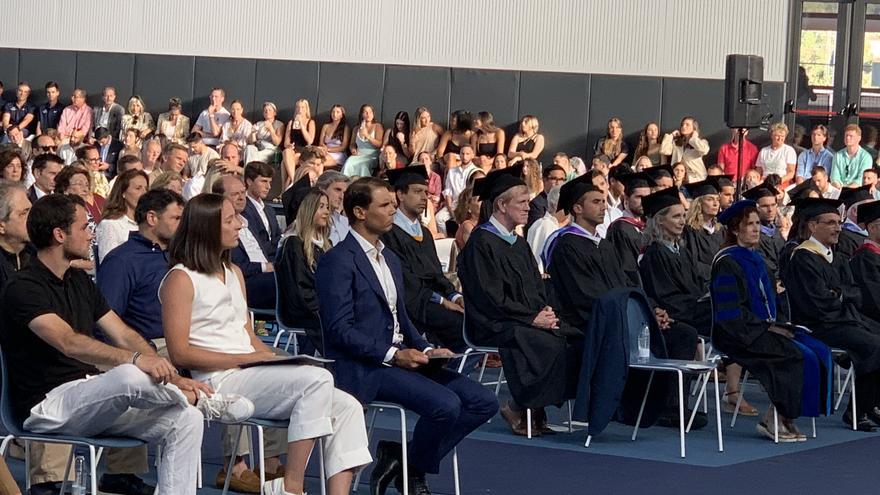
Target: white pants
(252,154)
(305,395)
(126,402)
(441,217)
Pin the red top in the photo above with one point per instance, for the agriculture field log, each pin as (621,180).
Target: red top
(727,157)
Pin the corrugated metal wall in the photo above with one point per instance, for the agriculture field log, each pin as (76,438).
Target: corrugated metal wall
(670,38)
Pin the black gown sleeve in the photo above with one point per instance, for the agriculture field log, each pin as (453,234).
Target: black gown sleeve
(809,292)
(865,267)
(626,242)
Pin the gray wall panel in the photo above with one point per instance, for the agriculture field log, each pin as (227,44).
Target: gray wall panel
(236,76)
(561,103)
(39,66)
(407,88)
(350,85)
(157,78)
(634,100)
(283,82)
(9,73)
(95,71)
(702,99)
(494,91)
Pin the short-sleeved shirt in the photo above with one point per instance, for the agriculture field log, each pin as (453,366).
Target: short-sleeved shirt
(204,121)
(34,366)
(776,161)
(48,116)
(18,113)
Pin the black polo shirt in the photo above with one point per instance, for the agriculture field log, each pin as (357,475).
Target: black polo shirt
(49,117)
(34,366)
(18,113)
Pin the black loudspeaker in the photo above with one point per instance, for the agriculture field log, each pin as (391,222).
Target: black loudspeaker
(743,91)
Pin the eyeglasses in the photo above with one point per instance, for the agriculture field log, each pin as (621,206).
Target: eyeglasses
(46,148)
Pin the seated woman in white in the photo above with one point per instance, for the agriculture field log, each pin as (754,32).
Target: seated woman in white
(208,332)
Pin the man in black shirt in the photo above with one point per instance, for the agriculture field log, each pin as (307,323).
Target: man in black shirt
(47,313)
(14,208)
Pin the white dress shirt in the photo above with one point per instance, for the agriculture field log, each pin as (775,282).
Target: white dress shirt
(261,210)
(250,244)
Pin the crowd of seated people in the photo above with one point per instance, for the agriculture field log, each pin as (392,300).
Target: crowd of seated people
(96,195)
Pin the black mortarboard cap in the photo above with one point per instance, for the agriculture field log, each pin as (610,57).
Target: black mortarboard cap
(734,210)
(762,190)
(808,208)
(635,181)
(702,188)
(802,190)
(868,212)
(659,171)
(618,172)
(721,181)
(573,190)
(660,200)
(406,176)
(498,181)
(853,195)
(293,197)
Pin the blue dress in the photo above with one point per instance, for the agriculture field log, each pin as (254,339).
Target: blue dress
(365,162)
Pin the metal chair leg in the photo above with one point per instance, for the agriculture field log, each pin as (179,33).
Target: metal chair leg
(262,456)
(775,426)
(231,462)
(357,478)
(93,470)
(404,455)
(321,471)
(529,425)
(66,468)
(681,410)
(852,371)
(641,408)
(739,397)
(455,471)
(718,411)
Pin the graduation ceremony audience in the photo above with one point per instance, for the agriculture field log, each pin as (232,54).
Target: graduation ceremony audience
(386,245)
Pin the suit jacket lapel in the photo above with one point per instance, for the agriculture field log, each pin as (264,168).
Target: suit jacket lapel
(365,267)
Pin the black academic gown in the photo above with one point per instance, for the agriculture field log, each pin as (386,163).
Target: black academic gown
(629,242)
(423,276)
(865,267)
(847,243)
(504,293)
(298,304)
(773,359)
(770,248)
(703,247)
(671,281)
(825,299)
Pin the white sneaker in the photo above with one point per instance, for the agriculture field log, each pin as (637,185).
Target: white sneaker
(226,408)
(276,487)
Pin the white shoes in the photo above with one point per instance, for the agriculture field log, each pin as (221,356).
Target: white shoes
(276,487)
(225,408)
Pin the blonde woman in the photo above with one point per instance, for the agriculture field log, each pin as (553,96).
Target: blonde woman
(526,143)
(266,136)
(171,180)
(777,157)
(685,145)
(306,241)
(425,134)
(612,145)
(137,118)
(299,133)
(532,177)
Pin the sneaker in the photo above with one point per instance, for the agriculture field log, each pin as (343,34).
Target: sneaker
(784,436)
(124,484)
(225,408)
(276,487)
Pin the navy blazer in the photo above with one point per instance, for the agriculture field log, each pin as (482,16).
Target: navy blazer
(268,239)
(356,321)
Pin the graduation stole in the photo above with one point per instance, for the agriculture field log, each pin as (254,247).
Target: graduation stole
(855,228)
(547,255)
(408,228)
(762,294)
(638,223)
(768,230)
(814,247)
(510,238)
(869,246)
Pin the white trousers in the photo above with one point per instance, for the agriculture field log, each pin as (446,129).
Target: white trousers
(126,402)
(306,396)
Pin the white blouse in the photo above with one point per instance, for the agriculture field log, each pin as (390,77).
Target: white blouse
(112,233)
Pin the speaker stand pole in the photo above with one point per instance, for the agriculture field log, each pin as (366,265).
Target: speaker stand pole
(741,134)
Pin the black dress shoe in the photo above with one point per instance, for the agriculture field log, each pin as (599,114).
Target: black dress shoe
(124,484)
(48,488)
(670,420)
(387,468)
(417,484)
(539,422)
(862,421)
(874,415)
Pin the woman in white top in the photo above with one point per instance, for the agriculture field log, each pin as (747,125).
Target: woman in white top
(237,129)
(207,329)
(137,118)
(778,158)
(118,218)
(685,145)
(266,137)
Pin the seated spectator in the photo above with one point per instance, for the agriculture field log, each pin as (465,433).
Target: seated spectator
(432,302)
(789,365)
(378,352)
(76,117)
(686,145)
(15,252)
(554,218)
(487,141)
(200,154)
(15,137)
(266,137)
(752,179)
(208,331)
(299,133)
(778,158)
(726,190)
(12,165)
(88,156)
(666,176)
(118,215)
(455,183)
(865,263)
(508,307)
(601,164)
(825,299)
(461,130)
(364,148)
(467,216)
(151,152)
(50,310)
(67,151)
(702,234)
(850,162)
(816,155)
(398,136)
(138,118)
(334,185)
(174,159)
(237,130)
(43,144)
(20,113)
(562,160)
(231,155)
(109,151)
(211,120)
(627,233)
(531,174)
(109,114)
(131,142)
(820,181)
(126,162)
(649,145)
(425,133)
(526,143)
(552,176)
(435,184)
(49,113)
(714,170)
(45,168)
(870,178)
(500,162)
(173,125)
(612,145)
(247,254)
(260,216)
(728,154)
(389,160)
(335,137)
(852,235)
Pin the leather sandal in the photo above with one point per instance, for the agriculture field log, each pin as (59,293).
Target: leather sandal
(745,409)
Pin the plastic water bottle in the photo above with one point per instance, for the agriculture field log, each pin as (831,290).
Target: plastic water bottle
(79,482)
(645,343)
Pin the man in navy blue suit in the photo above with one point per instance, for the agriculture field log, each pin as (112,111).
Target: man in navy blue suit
(261,216)
(379,354)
